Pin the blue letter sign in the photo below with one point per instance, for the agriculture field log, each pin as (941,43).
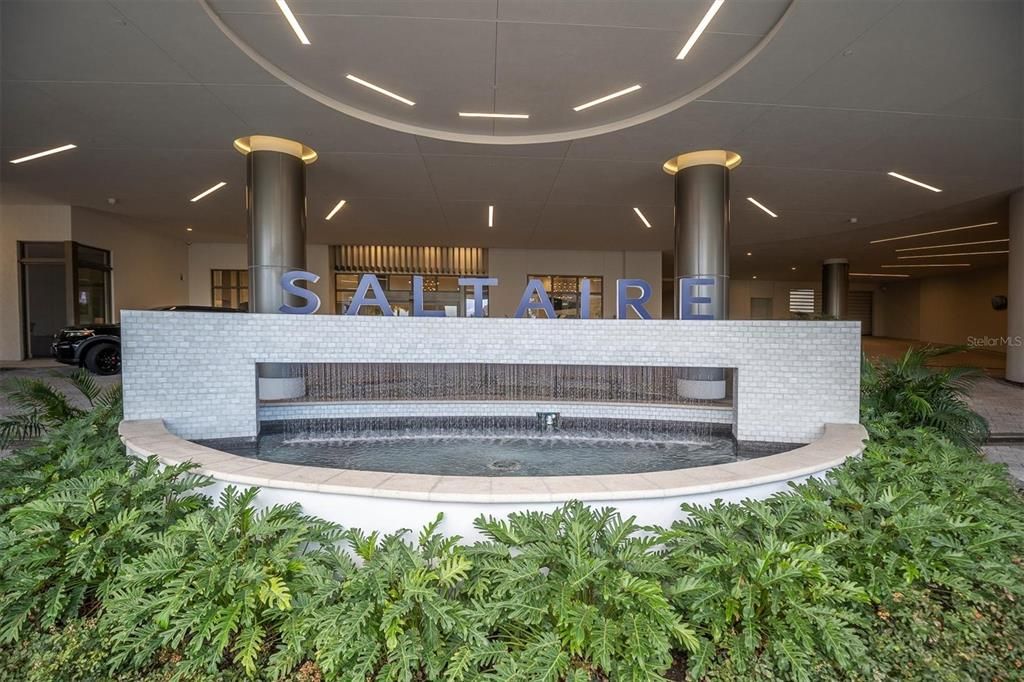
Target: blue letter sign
(359,299)
(625,301)
(535,287)
(478,284)
(687,300)
(288,281)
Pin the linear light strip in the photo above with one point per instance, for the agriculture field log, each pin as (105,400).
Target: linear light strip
(912,181)
(945,255)
(209,191)
(925,234)
(483,114)
(712,11)
(377,88)
(39,155)
(877,274)
(337,207)
(602,100)
(287,11)
(930,265)
(761,206)
(490,216)
(642,216)
(948,246)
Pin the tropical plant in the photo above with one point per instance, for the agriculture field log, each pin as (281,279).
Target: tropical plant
(760,584)
(215,587)
(574,593)
(401,614)
(43,407)
(60,549)
(910,394)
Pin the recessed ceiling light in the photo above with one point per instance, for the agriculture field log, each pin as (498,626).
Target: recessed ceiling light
(793,268)
(39,155)
(188,229)
(337,207)
(930,265)
(912,181)
(602,100)
(712,11)
(287,11)
(490,216)
(877,274)
(377,88)
(947,246)
(925,234)
(642,217)
(484,115)
(209,191)
(749,253)
(761,206)
(944,255)
(755,276)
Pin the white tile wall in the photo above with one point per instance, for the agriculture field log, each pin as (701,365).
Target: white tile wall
(197,370)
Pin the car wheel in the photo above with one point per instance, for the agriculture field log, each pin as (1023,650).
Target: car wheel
(104,359)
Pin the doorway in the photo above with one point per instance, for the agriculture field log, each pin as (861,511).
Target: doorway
(761,309)
(62,283)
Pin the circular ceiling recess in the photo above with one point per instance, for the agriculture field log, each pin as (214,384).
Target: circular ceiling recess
(501,72)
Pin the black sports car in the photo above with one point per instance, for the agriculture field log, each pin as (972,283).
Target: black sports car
(97,347)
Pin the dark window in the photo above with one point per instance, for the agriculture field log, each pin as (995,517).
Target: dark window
(229,289)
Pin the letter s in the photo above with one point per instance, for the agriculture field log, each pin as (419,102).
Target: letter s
(288,283)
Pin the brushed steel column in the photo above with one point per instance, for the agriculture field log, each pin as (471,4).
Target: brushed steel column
(275,199)
(702,249)
(835,287)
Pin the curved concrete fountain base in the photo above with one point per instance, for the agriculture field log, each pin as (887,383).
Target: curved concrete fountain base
(387,501)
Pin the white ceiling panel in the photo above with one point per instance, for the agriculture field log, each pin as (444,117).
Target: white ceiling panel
(491,179)
(149,116)
(435,9)
(585,226)
(609,183)
(88,41)
(923,57)
(350,176)
(184,32)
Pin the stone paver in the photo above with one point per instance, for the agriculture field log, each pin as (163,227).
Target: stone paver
(1001,403)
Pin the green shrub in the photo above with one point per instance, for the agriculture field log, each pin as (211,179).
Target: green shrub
(73,508)
(402,614)
(215,587)
(905,394)
(760,582)
(574,593)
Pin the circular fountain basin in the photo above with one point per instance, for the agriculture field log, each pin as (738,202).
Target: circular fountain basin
(388,501)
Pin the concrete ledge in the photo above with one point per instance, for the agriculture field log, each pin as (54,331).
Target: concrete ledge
(389,502)
(149,437)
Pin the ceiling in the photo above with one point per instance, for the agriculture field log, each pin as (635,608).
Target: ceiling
(153,93)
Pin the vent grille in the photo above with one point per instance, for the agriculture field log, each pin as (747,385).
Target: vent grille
(802,301)
(411,260)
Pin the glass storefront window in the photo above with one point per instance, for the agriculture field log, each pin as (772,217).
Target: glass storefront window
(440,292)
(229,289)
(564,292)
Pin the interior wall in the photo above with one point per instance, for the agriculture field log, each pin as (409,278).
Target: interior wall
(949,309)
(203,257)
(23,223)
(149,269)
(742,290)
(512,266)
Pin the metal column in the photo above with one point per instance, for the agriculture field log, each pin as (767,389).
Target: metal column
(276,207)
(835,287)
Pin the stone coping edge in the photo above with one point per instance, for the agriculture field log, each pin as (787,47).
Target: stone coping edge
(149,437)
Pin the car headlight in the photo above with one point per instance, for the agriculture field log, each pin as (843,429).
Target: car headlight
(77,333)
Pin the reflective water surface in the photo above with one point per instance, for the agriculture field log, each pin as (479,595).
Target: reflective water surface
(493,447)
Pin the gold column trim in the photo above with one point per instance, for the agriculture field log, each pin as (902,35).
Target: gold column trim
(706,157)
